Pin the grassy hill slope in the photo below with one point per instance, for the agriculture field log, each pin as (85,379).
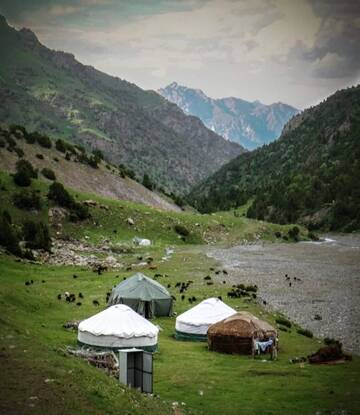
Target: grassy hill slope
(51,92)
(309,175)
(105,180)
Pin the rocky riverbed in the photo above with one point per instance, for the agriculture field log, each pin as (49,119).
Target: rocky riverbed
(322,288)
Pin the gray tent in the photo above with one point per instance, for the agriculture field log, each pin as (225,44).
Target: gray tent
(144,295)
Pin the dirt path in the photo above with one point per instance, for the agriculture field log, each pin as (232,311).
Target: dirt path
(323,292)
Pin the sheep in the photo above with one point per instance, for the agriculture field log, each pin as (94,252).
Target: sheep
(81,295)
(59,297)
(207,278)
(128,268)
(209,283)
(177,284)
(27,283)
(78,304)
(75,276)
(96,302)
(169,285)
(225,272)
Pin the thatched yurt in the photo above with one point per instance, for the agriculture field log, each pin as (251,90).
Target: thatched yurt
(118,327)
(194,323)
(241,333)
(144,295)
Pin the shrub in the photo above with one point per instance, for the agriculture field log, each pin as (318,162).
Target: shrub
(60,145)
(181,230)
(27,200)
(11,142)
(147,182)
(305,332)
(40,156)
(56,159)
(19,152)
(48,173)
(37,235)
(8,237)
(294,232)
(278,234)
(92,161)
(313,236)
(24,173)
(30,138)
(98,154)
(60,195)
(79,212)
(7,217)
(42,139)
(2,143)
(283,321)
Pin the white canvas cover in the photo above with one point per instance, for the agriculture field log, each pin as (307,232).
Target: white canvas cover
(198,319)
(118,326)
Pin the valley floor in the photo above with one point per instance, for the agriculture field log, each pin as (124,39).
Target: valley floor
(322,291)
(38,377)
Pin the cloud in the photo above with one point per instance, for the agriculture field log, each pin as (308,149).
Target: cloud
(272,50)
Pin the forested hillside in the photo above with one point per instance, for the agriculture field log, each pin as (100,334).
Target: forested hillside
(310,175)
(49,91)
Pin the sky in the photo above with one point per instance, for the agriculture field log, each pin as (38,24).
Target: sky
(294,51)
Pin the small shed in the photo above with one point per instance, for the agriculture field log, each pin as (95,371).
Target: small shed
(118,327)
(240,334)
(144,295)
(194,323)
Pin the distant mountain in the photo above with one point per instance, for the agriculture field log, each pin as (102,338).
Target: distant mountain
(250,124)
(51,92)
(310,175)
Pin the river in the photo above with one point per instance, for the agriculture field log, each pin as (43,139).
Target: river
(324,281)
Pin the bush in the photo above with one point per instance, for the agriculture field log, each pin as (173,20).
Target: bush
(42,139)
(181,230)
(8,237)
(60,146)
(19,152)
(147,182)
(60,195)
(2,143)
(294,232)
(27,200)
(24,173)
(283,321)
(92,161)
(37,235)
(278,234)
(79,212)
(98,154)
(305,332)
(48,173)
(40,156)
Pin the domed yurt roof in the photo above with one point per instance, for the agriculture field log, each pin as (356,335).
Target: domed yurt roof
(196,321)
(237,333)
(118,327)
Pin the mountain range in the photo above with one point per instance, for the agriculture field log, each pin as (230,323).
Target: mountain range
(250,124)
(50,91)
(310,175)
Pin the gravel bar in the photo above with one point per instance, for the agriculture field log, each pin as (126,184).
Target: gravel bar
(322,291)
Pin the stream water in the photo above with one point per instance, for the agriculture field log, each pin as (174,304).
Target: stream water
(322,292)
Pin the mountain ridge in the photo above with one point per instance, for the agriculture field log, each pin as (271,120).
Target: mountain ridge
(309,175)
(50,91)
(251,124)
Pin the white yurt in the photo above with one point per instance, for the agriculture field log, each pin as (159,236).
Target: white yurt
(118,327)
(194,323)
